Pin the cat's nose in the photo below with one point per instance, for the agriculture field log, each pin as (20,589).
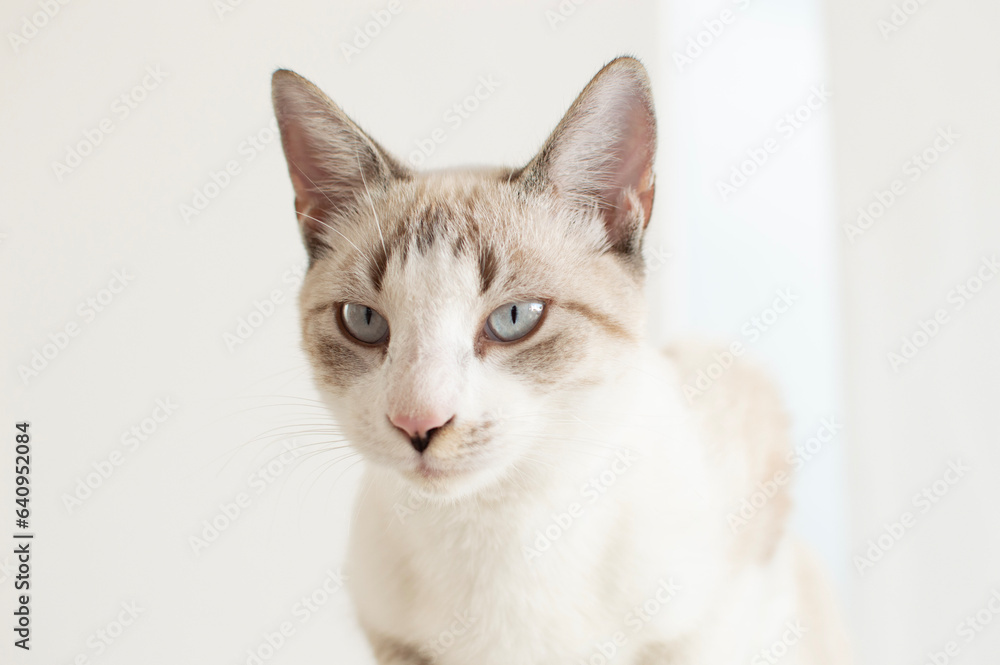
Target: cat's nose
(420,428)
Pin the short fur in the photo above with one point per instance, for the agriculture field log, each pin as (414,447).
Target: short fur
(576,503)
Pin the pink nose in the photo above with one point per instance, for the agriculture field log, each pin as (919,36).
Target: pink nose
(420,426)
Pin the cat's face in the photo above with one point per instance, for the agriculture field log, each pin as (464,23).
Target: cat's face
(456,320)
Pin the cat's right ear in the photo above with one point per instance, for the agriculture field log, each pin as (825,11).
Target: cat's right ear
(333,164)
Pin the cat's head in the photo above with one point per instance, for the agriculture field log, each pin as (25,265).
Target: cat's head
(456,321)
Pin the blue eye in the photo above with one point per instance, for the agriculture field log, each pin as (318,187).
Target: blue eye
(364,323)
(514,320)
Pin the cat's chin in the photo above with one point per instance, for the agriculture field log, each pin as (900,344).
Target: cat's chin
(450,483)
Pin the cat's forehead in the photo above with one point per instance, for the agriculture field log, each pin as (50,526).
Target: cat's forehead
(442,219)
(460,207)
(455,234)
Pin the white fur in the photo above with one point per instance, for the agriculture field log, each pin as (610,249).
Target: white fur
(417,561)
(574,485)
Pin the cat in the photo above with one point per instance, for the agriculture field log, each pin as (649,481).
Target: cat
(538,490)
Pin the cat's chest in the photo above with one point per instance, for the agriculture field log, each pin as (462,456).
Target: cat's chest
(476,607)
(517,575)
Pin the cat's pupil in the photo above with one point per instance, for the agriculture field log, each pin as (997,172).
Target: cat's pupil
(513,313)
(368,316)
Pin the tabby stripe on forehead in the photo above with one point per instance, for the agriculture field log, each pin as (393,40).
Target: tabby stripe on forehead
(430,222)
(610,326)
(487,268)
(376,269)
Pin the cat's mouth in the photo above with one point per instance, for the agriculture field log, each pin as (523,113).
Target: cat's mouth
(431,471)
(428,469)
(448,475)
(453,454)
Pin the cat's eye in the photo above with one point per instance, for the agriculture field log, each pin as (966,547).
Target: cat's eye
(514,320)
(363,323)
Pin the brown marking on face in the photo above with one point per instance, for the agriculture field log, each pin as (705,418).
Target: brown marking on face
(341,362)
(458,248)
(479,434)
(599,319)
(377,266)
(546,362)
(428,224)
(402,245)
(319,309)
(488,267)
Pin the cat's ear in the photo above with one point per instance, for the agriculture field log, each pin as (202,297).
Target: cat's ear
(331,161)
(601,154)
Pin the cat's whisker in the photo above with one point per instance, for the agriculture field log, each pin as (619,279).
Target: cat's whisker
(299,398)
(575,439)
(230,455)
(291,428)
(277,437)
(322,470)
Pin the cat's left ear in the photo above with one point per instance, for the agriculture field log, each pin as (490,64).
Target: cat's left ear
(601,154)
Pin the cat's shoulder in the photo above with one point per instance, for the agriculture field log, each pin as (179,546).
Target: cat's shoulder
(723,382)
(742,421)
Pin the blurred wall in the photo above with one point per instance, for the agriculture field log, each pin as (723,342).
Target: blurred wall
(748,149)
(917,103)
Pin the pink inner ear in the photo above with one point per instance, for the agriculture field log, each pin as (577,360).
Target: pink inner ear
(330,160)
(602,152)
(308,204)
(631,180)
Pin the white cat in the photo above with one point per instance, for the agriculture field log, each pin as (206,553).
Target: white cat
(538,489)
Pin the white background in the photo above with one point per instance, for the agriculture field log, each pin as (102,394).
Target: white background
(163,336)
